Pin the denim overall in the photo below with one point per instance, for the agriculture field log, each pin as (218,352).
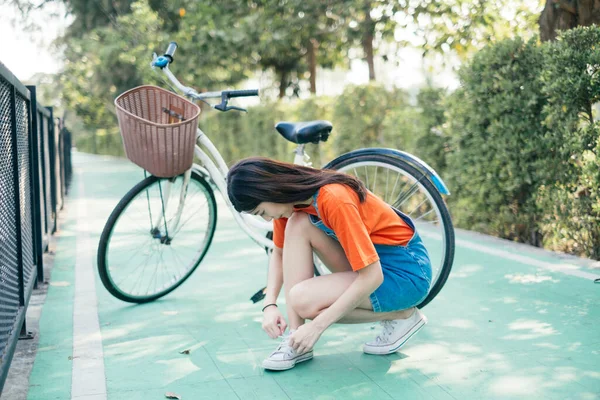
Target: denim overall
(406,269)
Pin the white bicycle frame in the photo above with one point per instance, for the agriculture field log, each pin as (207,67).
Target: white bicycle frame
(255,227)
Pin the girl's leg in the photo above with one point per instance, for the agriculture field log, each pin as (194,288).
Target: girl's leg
(301,239)
(361,316)
(310,297)
(307,296)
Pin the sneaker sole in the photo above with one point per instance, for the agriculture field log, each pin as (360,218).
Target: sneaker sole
(389,349)
(281,366)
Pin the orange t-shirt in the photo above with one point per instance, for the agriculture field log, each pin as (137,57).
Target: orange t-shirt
(357,225)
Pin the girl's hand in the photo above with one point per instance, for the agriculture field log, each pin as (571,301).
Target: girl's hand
(273,322)
(305,337)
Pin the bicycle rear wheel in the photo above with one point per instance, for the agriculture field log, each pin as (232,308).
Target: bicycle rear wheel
(145,250)
(406,188)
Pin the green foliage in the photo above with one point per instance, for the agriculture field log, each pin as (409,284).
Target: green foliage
(108,62)
(497,141)
(417,129)
(524,148)
(571,220)
(572,84)
(243,135)
(363,116)
(466,26)
(213,51)
(570,199)
(359,114)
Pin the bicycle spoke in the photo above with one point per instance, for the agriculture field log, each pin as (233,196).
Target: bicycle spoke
(143,263)
(394,189)
(375,181)
(423,215)
(404,197)
(387,177)
(182,225)
(155,271)
(417,207)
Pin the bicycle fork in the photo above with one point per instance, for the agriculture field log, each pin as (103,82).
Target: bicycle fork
(165,203)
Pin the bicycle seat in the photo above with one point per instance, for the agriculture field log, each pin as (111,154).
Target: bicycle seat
(305,132)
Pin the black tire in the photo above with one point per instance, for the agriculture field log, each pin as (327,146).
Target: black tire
(104,245)
(439,202)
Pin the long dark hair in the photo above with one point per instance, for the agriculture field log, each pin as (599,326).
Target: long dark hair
(254,180)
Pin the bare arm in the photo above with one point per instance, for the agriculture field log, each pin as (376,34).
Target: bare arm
(275,277)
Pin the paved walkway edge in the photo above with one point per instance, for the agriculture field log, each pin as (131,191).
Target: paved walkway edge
(88,377)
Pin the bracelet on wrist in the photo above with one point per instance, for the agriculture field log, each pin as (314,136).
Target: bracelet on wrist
(268,305)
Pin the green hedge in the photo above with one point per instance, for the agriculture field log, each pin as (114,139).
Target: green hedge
(497,141)
(524,156)
(570,197)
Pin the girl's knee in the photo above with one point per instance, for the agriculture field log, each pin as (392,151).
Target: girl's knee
(301,303)
(297,224)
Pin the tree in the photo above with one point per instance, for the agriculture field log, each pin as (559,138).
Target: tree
(466,26)
(567,14)
(438,26)
(286,37)
(368,22)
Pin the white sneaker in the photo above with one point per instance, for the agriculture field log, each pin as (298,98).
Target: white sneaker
(395,333)
(285,357)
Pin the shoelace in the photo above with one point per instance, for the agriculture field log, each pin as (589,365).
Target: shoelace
(284,347)
(388,328)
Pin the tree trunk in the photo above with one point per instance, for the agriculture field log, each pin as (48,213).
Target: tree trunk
(368,34)
(283,82)
(567,14)
(312,64)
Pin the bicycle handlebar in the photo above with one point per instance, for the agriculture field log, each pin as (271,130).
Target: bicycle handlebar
(167,58)
(163,63)
(241,93)
(171,50)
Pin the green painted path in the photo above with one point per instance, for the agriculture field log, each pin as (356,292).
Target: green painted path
(502,328)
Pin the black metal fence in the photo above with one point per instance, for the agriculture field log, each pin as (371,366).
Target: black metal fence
(35,170)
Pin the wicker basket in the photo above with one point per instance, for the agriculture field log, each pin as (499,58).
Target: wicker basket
(158,129)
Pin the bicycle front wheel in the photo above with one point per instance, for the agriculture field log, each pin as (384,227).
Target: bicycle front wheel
(156,237)
(406,188)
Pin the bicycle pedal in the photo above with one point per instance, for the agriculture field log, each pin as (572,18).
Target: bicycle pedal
(258,296)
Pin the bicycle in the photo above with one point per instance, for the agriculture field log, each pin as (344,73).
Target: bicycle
(178,215)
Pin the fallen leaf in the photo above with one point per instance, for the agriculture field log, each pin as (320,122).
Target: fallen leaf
(187,351)
(490,320)
(171,395)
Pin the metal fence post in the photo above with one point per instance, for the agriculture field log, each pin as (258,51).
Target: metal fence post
(52,172)
(17,200)
(35,186)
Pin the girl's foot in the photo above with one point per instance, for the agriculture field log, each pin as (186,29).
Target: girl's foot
(285,357)
(395,333)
